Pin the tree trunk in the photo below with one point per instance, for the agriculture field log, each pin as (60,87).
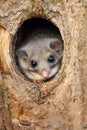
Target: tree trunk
(59,104)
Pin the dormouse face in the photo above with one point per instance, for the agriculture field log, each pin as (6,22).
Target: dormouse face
(41,63)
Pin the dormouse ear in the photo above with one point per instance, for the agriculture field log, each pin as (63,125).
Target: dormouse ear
(56,46)
(21,54)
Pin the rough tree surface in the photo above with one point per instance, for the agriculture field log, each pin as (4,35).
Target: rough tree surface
(60,104)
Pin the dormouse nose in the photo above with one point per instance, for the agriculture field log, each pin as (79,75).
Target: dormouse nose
(45,72)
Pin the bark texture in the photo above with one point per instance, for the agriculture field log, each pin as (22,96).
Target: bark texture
(60,104)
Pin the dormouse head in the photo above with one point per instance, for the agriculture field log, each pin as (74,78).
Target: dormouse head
(42,62)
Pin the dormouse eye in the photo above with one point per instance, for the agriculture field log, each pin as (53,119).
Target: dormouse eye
(33,63)
(51,59)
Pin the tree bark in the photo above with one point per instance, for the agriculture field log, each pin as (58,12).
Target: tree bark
(59,104)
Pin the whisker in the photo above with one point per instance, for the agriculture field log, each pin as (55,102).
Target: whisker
(24,69)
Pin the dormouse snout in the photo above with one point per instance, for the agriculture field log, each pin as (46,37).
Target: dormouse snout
(45,72)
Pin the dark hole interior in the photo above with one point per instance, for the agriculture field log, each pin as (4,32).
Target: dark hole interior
(27,27)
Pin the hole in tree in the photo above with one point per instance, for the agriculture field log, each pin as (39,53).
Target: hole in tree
(38,49)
